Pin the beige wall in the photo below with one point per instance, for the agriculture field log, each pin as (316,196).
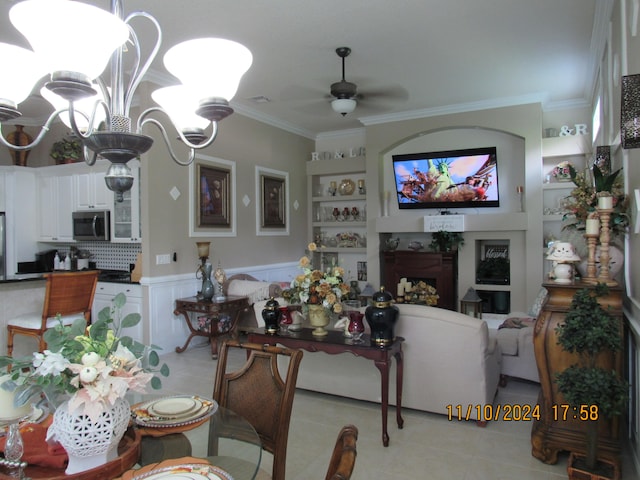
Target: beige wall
(248,143)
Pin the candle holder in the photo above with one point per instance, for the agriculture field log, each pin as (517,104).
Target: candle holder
(605,236)
(590,278)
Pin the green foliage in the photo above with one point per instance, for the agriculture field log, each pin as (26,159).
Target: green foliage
(444,241)
(588,330)
(497,267)
(66,149)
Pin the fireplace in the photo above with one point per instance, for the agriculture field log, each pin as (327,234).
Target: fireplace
(436,269)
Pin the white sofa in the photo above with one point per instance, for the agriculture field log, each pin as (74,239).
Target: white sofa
(449,359)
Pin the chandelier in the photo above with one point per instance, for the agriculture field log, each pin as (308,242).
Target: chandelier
(209,70)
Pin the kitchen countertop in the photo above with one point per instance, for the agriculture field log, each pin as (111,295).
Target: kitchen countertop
(23,277)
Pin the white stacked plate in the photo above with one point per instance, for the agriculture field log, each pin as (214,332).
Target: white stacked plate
(186,472)
(174,411)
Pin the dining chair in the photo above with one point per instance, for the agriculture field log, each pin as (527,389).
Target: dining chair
(258,392)
(344,454)
(69,294)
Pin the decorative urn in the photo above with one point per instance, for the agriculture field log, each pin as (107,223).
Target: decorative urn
(382,316)
(271,315)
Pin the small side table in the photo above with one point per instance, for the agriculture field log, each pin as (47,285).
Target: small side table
(214,312)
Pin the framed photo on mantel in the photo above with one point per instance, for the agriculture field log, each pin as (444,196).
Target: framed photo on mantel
(212,208)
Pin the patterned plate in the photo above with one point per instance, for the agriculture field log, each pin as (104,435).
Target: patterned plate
(186,472)
(145,417)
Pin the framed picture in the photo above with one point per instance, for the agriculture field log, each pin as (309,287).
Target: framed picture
(272,192)
(212,209)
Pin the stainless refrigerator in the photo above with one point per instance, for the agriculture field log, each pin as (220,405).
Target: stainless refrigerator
(3,247)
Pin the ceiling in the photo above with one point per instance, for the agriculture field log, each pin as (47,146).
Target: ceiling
(410,58)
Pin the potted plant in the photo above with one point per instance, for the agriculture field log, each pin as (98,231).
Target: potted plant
(67,150)
(595,393)
(495,270)
(444,241)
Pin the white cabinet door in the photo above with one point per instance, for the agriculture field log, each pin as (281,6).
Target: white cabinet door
(92,192)
(125,220)
(56,203)
(106,291)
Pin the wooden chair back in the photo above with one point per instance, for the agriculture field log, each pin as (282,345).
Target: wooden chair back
(344,454)
(66,293)
(257,392)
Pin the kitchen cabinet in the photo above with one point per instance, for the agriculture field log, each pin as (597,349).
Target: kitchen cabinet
(338,221)
(55,204)
(106,291)
(91,191)
(125,218)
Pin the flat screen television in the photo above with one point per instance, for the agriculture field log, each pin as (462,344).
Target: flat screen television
(448,179)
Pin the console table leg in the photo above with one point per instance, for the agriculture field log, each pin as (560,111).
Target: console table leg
(384,372)
(399,373)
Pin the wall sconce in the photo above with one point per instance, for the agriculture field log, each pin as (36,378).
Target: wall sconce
(630,112)
(471,304)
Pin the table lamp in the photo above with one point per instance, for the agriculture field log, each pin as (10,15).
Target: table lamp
(563,255)
(204,271)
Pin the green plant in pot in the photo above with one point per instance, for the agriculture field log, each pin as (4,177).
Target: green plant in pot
(496,268)
(67,150)
(444,241)
(596,393)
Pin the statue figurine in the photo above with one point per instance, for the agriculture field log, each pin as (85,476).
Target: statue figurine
(354,291)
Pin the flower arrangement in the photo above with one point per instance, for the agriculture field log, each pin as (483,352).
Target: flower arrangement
(583,200)
(92,367)
(562,171)
(422,293)
(315,287)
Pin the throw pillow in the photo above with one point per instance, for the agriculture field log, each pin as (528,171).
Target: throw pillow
(538,302)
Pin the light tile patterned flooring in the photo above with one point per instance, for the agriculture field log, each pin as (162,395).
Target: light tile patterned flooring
(429,447)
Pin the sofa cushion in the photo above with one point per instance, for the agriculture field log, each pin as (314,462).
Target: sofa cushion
(538,302)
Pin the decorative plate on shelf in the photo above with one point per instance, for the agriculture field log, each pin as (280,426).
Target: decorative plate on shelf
(197,471)
(348,239)
(173,411)
(347,187)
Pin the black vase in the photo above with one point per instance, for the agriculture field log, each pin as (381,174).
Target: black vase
(382,316)
(271,315)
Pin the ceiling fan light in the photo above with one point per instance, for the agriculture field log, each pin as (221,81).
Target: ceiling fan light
(69,36)
(343,105)
(209,67)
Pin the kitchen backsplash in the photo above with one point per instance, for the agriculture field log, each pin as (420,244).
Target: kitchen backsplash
(112,256)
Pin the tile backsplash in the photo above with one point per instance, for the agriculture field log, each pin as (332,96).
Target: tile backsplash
(112,256)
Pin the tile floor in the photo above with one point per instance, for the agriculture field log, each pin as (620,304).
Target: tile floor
(429,446)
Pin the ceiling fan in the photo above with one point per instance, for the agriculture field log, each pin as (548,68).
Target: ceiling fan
(344,92)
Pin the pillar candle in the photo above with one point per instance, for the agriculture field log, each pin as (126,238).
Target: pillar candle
(8,411)
(593,226)
(605,203)
(333,184)
(400,289)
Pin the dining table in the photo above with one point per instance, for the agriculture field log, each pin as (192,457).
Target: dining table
(222,443)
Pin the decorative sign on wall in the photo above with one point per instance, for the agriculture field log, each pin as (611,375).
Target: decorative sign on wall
(352,152)
(449,223)
(579,129)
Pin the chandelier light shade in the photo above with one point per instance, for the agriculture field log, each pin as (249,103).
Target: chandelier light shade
(630,112)
(73,43)
(343,106)
(69,36)
(15,88)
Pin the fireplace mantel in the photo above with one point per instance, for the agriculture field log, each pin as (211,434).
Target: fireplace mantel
(483,222)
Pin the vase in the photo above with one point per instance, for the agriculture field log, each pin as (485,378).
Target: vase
(382,317)
(19,138)
(318,318)
(89,443)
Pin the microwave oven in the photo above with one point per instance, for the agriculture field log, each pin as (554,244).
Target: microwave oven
(91,225)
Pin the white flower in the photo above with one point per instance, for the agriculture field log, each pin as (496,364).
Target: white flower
(49,363)
(88,374)
(90,359)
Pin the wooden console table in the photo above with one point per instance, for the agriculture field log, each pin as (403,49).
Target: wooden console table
(551,433)
(334,343)
(213,310)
